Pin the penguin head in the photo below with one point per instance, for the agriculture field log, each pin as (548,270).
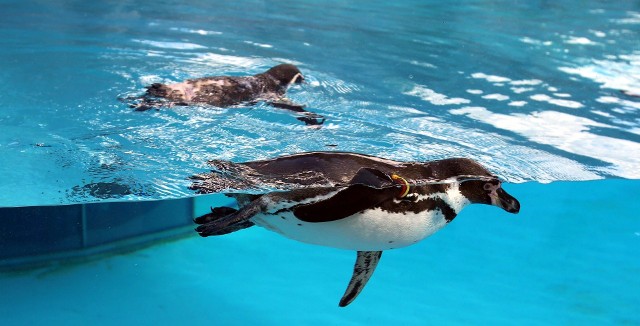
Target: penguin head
(477,184)
(489,191)
(286,74)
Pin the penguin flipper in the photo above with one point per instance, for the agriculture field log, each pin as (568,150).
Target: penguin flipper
(309,118)
(367,188)
(372,178)
(287,104)
(364,267)
(345,203)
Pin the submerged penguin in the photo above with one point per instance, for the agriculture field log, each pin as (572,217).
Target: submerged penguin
(349,201)
(226,91)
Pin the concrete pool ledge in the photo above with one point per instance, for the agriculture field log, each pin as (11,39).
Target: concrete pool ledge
(36,236)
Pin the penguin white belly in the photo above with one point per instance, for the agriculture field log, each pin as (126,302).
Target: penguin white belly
(371,230)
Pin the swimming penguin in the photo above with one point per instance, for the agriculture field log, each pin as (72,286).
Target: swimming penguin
(226,91)
(348,200)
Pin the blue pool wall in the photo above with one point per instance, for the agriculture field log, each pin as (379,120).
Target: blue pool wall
(40,235)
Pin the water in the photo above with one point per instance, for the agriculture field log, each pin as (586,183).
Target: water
(532,90)
(564,260)
(536,91)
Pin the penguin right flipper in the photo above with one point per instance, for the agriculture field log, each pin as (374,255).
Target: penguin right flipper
(364,267)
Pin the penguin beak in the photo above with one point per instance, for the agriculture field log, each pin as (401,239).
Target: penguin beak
(505,201)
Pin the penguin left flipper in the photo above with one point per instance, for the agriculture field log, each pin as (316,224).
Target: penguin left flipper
(364,267)
(287,104)
(366,189)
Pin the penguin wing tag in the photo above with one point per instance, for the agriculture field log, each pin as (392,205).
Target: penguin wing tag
(368,188)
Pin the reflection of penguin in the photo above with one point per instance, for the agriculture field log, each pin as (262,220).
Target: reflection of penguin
(348,201)
(225,91)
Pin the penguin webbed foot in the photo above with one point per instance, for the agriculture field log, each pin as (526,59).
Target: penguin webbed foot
(223,220)
(215,214)
(143,107)
(312,119)
(147,102)
(216,228)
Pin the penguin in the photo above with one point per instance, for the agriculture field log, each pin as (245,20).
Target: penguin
(348,200)
(227,91)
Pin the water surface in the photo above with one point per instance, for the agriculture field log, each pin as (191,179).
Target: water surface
(535,91)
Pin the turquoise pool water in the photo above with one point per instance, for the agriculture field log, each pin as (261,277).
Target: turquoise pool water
(569,258)
(544,94)
(537,92)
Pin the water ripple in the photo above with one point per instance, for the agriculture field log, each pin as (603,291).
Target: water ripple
(533,97)
(568,133)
